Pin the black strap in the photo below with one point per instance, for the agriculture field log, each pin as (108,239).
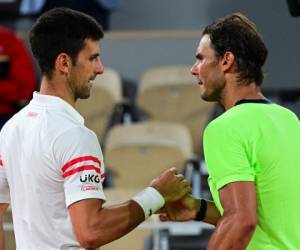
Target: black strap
(202,211)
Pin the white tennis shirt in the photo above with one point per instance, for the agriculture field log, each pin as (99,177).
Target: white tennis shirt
(48,160)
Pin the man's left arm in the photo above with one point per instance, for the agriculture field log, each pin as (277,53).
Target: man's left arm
(237,225)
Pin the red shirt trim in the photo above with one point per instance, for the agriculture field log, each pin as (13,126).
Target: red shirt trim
(80,169)
(80,159)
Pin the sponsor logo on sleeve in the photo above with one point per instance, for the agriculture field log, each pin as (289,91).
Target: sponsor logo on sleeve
(89,188)
(90,178)
(87,170)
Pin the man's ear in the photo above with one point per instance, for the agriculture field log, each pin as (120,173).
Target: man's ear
(63,63)
(227,61)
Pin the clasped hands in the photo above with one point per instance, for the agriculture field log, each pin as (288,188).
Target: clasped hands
(180,204)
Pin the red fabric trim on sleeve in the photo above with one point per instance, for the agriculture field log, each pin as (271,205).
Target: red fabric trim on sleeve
(80,159)
(80,169)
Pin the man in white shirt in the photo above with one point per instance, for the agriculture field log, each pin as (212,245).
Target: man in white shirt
(51,165)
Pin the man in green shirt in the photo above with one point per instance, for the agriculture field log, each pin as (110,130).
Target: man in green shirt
(251,151)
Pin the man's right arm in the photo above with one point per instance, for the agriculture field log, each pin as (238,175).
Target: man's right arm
(4,195)
(95,225)
(3,207)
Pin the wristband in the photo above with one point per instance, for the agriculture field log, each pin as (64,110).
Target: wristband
(202,211)
(150,201)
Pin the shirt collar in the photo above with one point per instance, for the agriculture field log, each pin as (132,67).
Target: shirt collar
(264,101)
(56,102)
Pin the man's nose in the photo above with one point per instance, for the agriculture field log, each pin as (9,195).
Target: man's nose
(194,70)
(100,68)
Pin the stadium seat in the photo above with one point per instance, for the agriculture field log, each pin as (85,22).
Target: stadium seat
(138,152)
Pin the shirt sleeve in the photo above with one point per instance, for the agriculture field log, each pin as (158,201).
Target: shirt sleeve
(227,155)
(80,160)
(4,188)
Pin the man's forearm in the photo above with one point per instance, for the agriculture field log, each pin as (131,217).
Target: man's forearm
(212,215)
(206,210)
(3,207)
(1,236)
(191,208)
(126,217)
(232,232)
(100,226)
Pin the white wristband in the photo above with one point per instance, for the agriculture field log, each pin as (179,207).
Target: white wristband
(150,201)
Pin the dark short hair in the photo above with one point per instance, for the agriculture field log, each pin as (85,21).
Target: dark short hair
(237,34)
(61,30)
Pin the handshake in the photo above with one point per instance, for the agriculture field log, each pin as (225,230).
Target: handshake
(169,196)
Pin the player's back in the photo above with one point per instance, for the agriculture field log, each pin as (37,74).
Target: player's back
(36,185)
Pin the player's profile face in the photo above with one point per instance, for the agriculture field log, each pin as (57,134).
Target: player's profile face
(85,69)
(208,71)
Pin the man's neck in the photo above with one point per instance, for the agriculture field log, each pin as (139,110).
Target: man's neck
(56,87)
(235,92)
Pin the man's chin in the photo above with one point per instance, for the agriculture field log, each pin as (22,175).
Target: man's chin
(84,95)
(208,98)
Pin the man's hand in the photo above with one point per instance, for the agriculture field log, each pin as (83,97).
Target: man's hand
(187,208)
(181,210)
(171,185)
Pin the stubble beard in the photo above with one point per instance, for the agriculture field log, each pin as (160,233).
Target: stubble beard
(215,95)
(79,91)
(84,92)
